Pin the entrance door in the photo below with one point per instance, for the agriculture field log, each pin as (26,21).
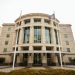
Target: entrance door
(37,59)
(49,59)
(25,59)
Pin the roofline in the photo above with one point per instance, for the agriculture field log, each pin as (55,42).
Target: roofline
(34,14)
(8,24)
(65,24)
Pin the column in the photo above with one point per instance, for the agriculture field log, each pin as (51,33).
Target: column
(19,58)
(30,59)
(44,59)
(21,36)
(60,59)
(59,48)
(53,40)
(30,56)
(58,36)
(43,35)
(31,34)
(31,41)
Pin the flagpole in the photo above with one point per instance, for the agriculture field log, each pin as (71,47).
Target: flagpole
(20,14)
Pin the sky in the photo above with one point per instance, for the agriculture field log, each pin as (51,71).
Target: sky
(64,10)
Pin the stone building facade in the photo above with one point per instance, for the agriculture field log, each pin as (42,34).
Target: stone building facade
(37,39)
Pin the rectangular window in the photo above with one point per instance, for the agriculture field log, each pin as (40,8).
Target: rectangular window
(26,35)
(9,28)
(67,42)
(26,21)
(47,21)
(37,48)
(6,42)
(19,23)
(25,48)
(37,19)
(57,48)
(5,50)
(8,35)
(68,49)
(49,48)
(65,36)
(47,35)
(37,34)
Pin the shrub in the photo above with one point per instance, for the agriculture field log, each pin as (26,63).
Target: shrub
(40,72)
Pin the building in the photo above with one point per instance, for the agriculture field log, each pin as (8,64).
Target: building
(36,39)
(0,31)
(67,41)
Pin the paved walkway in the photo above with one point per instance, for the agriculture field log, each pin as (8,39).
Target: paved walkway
(8,68)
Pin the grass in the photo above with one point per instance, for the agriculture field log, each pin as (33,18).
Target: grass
(40,72)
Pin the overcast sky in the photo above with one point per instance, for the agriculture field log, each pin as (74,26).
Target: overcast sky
(64,9)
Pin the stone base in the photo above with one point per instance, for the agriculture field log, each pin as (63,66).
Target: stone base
(44,64)
(29,64)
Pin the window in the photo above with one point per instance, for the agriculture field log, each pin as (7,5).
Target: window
(68,49)
(26,35)
(9,28)
(47,21)
(8,35)
(19,23)
(25,48)
(67,43)
(54,23)
(6,42)
(49,48)
(27,21)
(65,36)
(57,48)
(37,34)
(5,50)
(37,48)
(47,35)
(13,48)
(37,19)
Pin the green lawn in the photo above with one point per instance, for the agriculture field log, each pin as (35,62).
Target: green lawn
(40,72)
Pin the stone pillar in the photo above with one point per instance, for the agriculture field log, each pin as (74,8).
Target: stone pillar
(54,59)
(44,56)
(30,59)
(58,35)
(43,35)
(31,34)
(44,59)
(19,58)
(53,40)
(30,55)
(21,36)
